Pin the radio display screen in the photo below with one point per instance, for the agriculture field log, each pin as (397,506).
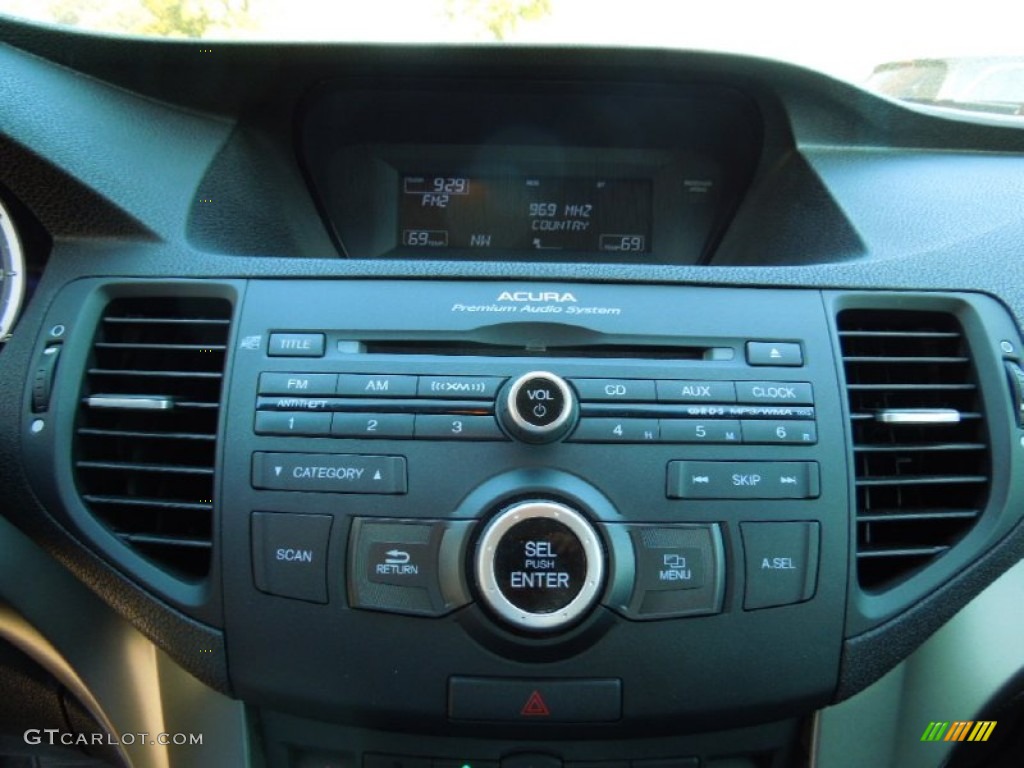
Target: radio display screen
(519,213)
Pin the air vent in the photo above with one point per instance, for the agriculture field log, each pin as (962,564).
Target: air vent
(920,444)
(147,426)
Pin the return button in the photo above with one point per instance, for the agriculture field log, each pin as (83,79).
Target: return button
(329,473)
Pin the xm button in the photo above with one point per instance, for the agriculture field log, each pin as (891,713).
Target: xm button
(539,566)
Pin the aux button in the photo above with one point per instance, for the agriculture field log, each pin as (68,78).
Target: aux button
(538,407)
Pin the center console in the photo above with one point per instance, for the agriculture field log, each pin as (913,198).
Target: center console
(588,509)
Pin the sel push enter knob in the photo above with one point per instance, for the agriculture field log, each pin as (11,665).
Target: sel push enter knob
(539,566)
(538,407)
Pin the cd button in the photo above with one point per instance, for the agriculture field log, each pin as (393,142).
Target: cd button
(627,390)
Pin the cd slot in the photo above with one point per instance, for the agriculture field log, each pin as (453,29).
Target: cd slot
(460,348)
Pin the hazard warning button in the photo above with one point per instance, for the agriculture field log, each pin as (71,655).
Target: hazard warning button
(535,701)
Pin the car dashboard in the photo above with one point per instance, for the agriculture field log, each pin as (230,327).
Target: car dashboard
(411,407)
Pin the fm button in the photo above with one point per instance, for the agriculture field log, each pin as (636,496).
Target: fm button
(539,566)
(538,407)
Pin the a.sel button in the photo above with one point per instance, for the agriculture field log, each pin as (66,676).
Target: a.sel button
(743,480)
(782,563)
(328,473)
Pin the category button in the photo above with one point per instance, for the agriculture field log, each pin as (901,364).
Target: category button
(608,390)
(376,385)
(303,384)
(459,387)
(775,392)
(296,345)
(329,473)
(685,391)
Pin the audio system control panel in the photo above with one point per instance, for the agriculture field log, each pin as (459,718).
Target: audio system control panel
(433,494)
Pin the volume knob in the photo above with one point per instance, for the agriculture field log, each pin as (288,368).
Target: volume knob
(538,407)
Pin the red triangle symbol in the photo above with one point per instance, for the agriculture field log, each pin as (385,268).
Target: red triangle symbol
(535,706)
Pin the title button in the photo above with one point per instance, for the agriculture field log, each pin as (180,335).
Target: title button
(296,345)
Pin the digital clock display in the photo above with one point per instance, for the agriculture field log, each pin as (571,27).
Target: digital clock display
(520,213)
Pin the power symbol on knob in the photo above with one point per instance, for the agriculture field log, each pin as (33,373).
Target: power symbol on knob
(538,407)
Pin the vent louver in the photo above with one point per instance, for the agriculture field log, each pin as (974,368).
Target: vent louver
(147,426)
(920,444)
